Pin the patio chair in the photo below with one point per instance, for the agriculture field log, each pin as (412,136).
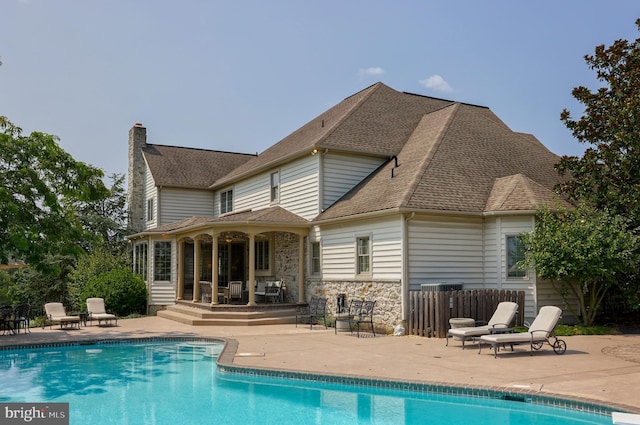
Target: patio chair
(7,322)
(205,291)
(501,318)
(354,308)
(363,316)
(235,291)
(55,313)
(22,317)
(261,290)
(539,332)
(273,291)
(315,310)
(97,311)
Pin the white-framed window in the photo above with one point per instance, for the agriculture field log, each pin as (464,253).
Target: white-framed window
(140,259)
(226,201)
(162,261)
(363,255)
(263,255)
(275,186)
(515,254)
(314,252)
(150,209)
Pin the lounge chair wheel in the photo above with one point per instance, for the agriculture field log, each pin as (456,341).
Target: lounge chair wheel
(536,345)
(559,347)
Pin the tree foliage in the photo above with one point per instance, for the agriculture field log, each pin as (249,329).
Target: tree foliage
(106,218)
(583,252)
(124,292)
(40,184)
(608,174)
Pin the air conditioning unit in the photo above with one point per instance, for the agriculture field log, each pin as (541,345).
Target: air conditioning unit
(441,287)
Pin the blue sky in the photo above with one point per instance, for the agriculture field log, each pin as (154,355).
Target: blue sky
(241,75)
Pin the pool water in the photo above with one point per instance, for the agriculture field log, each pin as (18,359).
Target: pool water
(177,382)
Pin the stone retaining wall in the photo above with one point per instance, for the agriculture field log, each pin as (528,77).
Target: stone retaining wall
(386,294)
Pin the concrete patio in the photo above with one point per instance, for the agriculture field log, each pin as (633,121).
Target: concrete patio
(600,369)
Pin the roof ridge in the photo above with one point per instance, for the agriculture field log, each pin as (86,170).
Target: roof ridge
(198,149)
(422,168)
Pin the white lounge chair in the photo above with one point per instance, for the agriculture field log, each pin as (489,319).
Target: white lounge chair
(97,311)
(501,318)
(56,314)
(539,333)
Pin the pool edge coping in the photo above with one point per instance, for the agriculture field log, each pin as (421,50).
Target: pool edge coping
(225,363)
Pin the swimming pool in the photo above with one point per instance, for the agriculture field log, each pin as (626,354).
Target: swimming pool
(176,381)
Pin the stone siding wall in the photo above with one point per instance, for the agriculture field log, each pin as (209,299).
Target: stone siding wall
(286,262)
(386,294)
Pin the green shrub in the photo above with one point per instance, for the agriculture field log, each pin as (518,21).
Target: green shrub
(124,292)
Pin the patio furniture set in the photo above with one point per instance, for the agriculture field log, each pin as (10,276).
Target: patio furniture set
(12,319)
(360,312)
(55,313)
(237,291)
(498,332)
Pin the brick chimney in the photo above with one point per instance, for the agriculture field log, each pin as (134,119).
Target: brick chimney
(136,178)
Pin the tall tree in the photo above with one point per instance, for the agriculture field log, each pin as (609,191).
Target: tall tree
(107,218)
(40,184)
(608,174)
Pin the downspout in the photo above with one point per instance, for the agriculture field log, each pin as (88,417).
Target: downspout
(405,266)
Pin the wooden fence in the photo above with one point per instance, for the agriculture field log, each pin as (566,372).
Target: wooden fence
(429,312)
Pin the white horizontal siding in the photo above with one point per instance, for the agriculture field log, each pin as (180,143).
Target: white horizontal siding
(252,193)
(178,204)
(299,187)
(150,192)
(496,231)
(342,172)
(442,251)
(339,249)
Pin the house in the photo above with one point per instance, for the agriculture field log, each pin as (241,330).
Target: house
(378,195)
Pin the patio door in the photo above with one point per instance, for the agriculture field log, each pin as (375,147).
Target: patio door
(231,262)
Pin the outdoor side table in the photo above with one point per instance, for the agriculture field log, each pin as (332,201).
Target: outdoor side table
(461,322)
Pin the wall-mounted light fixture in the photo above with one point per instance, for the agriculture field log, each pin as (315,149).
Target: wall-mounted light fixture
(314,151)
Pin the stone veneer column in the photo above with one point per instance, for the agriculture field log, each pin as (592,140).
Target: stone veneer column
(136,179)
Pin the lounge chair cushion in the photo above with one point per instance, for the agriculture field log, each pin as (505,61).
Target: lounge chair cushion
(501,318)
(97,311)
(539,330)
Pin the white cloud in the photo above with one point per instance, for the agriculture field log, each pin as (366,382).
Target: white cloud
(437,83)
(372,71)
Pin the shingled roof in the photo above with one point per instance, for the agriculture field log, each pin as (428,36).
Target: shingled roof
(173,166)
(450,162)
(375,121)
(275,216)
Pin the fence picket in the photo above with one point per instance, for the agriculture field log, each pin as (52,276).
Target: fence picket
(429,312)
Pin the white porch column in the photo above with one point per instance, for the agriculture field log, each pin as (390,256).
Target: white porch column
(180,292)
(196,270)
(252,269)
(214,269)
(300,269)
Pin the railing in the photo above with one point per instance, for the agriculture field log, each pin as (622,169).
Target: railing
(429,312)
